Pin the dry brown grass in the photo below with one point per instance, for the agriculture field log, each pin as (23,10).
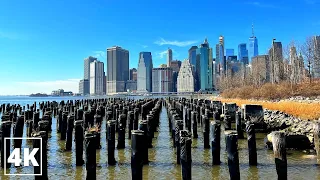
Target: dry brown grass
(274,91)
(302,110)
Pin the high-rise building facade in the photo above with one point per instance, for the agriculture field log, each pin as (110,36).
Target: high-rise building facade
(243,53)
(204,55)
(162,80)
(144,79)
(261,69)
(175,66)
(276,61)
(229,52)
(133,74)
(316,61)
(84,87)
(220,60)
(117,69)
(169,57)
(97,77)
(193,55)
(86,74)
(253,47)
(186,80)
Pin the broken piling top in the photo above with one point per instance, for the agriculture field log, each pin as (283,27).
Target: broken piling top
(229,107)
(252,112)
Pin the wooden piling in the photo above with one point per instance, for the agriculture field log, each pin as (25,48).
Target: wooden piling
(137,154)
(233,156)
(280,154)
(111,133)
(185,145)
(90,146)
(70,124)
(215,141)
(6,132)
(78,135)
(41,158)
(251,136)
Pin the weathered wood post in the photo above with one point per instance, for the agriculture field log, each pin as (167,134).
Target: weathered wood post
(178,128)
(227,122)
(70,124)
(251,136)
(59,121)
(29,126)
(215,141)
(280,154)
(6,131)
(18,131)
(143,126)
(78,135)
(206,131)
(136,119)
(185,144)
(122,132)
(90,156)
(194,124)
(111,143)
(239,125)
(130,119)
(233,156)
(316,133)
(42,158)
(36,119)
(137,154)
(64,126)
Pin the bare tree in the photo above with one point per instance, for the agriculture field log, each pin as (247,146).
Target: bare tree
(308,52)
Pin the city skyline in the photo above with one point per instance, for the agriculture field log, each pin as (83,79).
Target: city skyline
(43,53)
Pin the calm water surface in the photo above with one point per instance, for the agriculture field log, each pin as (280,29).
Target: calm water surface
(61,164)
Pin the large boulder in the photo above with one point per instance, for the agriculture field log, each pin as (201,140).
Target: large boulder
(293,141)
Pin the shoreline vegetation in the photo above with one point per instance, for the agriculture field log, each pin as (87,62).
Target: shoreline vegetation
(283,97)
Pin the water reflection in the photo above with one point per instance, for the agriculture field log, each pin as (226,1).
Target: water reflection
(163,160)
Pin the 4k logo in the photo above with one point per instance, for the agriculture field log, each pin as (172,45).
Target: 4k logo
(28,156)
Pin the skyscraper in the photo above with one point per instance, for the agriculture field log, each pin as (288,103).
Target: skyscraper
(87,62)
(316,61)
(185,80)
(276,62)
(253,47)
(175,66)
(117,69)
(169,57)
(243,53)
(220,60)
(204,56)
(162,79)
(144,76)
(84,85)
(97,78)
(132,73)
(193,55)
(229,52)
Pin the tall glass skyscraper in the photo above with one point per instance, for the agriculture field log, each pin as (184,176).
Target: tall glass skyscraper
(243,53)
(205,73)
(144,79)
(193,55)
(253,47)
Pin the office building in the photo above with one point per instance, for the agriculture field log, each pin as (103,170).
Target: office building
(204,57)
(185,79)
(243,53)
(220,60)
(276,61)
(96,78)
(117,69)
(84,87)
(86,73)
(193,55)
(261,69)
(133,74)
(144,79)
(316,61)
(162,80)
(169,57)
(131,86)
(253,47)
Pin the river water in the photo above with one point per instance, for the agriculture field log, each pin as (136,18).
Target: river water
(61,164)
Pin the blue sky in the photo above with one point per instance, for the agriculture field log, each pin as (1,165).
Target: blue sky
(43,43)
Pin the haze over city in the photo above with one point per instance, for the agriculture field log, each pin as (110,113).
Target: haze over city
(43,45)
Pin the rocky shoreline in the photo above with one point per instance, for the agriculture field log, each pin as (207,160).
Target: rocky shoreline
(299,133)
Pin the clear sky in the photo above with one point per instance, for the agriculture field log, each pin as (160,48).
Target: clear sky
(43,43)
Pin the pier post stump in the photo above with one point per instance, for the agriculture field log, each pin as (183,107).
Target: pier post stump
(90,145)
(251,136)
(194,124)
(227,122)
(64,126)
(44,163)
(233,156)
(70,125)
(122,132)
(18,131)
(78,135)
(111,143)
(215,141)
(185,144)
(6,132)
(137,154)
(280,154)
(178,128)
(130,119)
(239,125)
(206,131)
(143,126)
